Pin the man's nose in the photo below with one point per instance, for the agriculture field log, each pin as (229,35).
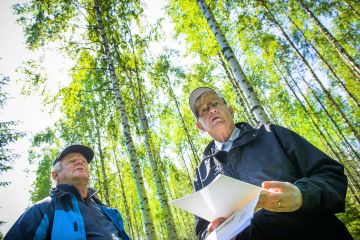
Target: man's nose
(79,161)
(212,109)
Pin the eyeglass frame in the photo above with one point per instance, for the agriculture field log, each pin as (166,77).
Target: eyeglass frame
(208,107)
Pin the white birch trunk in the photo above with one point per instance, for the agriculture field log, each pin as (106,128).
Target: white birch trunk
(189,138)
(334,42)
(169,222)
(244,104)
(144,204)
(126,205)
(239,75)
(346,120)
(103,183)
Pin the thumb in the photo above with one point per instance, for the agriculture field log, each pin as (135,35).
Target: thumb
(272,184)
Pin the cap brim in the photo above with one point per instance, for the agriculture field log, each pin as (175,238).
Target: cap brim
(77,148)
(194,95)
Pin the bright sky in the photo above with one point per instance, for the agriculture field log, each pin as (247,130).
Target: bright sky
(29,110)
(14,199)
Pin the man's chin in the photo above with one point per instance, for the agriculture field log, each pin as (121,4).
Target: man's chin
(81,177)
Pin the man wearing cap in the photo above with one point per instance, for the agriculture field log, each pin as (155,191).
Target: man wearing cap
(302,187)
(72,211)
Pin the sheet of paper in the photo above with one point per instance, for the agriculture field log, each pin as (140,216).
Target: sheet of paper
(220,198)
(235,224)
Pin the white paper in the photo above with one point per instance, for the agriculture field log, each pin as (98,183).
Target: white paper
(224,197)
(221,198)
(235,224)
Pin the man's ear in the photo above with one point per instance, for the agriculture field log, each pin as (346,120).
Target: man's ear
(54,175)
(199,126)
(231,110)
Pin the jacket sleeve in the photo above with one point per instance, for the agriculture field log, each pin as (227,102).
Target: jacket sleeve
(201,228)
(322,181)
(32,224)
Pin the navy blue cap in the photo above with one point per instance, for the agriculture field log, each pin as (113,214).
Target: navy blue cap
(76,148)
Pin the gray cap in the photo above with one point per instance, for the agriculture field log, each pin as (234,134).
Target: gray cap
(76,148)
(194,95)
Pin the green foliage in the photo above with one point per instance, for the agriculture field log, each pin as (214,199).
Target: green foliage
(157,84)
(49,19)
(44,149)
(351,218)
(8,134)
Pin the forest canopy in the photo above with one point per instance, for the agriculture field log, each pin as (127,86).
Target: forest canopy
(132,75)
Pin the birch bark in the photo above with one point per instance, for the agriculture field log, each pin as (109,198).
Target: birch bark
(239,75)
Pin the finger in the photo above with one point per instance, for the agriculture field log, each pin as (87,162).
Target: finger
(272,184)
(218,221)
(214,224)
(276,186)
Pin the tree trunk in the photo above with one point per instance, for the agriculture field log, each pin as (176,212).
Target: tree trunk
(188,136)
(305,109)
(332,40)
(169,221)
(248,90)
(146,132)
(327,93)
(186,167)
(101,155)
(352,8)
(246,107)
(101,192)
(326,63)
(331,118)
(144,204)
(126,206)
(180,218)
(353,187)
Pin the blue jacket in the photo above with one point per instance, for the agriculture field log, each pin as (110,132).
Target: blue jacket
(58,217)
(274,153)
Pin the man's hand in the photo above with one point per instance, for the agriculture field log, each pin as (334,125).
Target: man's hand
(280,197)
(214,224)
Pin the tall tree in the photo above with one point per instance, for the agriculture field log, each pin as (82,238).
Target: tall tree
(333,41)
(250,95)
(146,132)
(315,76)
(145,209)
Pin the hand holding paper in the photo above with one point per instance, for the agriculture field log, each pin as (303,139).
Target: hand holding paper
(221,198)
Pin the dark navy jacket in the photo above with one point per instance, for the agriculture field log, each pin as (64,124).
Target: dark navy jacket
(59,217)
(274,153)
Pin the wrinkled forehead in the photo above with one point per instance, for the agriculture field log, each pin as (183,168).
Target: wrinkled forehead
(207,98)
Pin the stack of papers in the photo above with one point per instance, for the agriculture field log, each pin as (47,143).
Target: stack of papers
(224,197)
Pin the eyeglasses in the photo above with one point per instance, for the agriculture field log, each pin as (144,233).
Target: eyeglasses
(204,110)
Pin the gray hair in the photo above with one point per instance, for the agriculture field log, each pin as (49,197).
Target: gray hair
(57,167)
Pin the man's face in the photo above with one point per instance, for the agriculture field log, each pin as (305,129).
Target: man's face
(74,169)
(214,115)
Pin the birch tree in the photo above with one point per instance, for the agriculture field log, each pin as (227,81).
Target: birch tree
(249,93)
(145,209)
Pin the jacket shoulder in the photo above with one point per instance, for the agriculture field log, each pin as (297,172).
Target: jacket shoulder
(34,222)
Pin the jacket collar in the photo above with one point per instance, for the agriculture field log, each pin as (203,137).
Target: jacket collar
(244,127)
(62,190)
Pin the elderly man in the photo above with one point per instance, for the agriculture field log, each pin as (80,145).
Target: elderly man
(72,211)
(302,187)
